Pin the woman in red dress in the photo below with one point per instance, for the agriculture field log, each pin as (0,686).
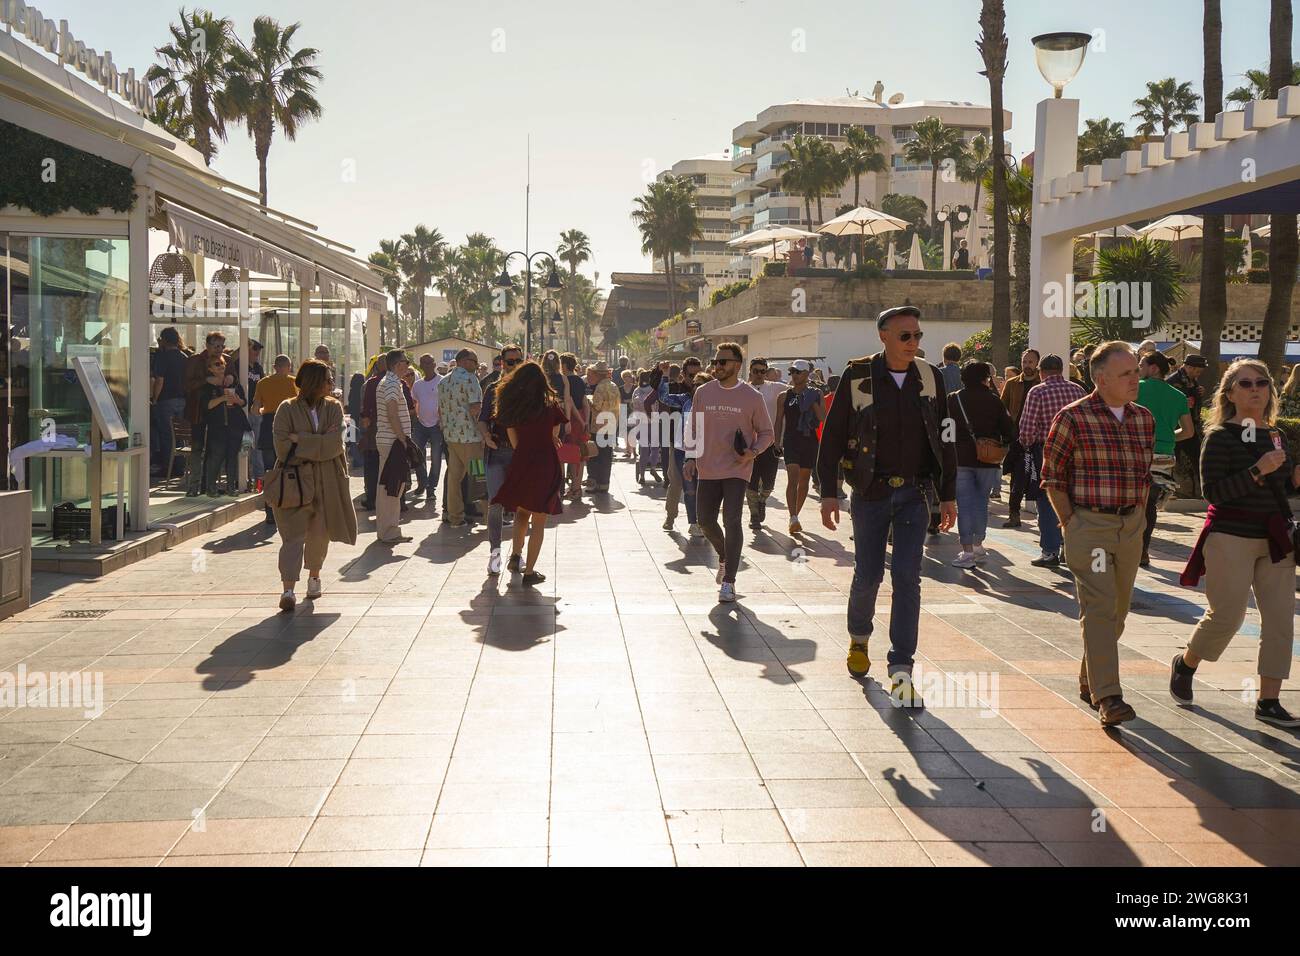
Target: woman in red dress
(528,408)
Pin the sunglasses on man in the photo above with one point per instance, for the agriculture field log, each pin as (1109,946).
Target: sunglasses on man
(908,336)
(723,361)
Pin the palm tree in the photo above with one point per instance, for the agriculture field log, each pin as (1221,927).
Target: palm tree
(1282,244)
(667,220)
(992,45)
(638,346)
(271,83)
(814,170)
(798,175)
(1168,104)
(973,164)
(934,143)
(386,259)
(1213,305)
(1101,139)
(573,251)
(171,113)
(861,154)
(420,257)
(194,68)
(1256,87)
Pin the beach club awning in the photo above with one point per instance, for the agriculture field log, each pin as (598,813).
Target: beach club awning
(191,232)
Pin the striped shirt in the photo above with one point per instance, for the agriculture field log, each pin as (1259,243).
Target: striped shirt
(1042,403)
(1226,480)
(1097,461)
(390,390)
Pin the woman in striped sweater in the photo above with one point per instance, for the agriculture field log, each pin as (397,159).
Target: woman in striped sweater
(1245,545)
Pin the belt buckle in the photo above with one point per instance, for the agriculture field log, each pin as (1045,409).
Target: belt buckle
(895,481)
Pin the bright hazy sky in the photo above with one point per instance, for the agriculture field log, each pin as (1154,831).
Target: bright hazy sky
(436,122)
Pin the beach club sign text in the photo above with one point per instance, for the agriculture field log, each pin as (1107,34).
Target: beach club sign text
(22,18)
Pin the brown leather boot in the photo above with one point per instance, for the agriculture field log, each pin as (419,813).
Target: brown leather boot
(1114,711)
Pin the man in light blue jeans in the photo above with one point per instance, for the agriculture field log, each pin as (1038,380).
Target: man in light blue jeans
(426,431)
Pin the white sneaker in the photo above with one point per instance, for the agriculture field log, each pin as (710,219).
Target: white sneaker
(494,561)
(727,593)
(695,531)
(964,560)
(980,554)
(313,588)
(288,601)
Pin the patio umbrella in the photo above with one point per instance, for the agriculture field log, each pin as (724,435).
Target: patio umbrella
(1264,231)
(1173,228)
(861,222)
(773,234)
(889,256)
(914,260)
(1245,237)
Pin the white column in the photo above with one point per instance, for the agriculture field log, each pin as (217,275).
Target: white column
(304,324)
(1051,258)
(138,284)
(373,318)
(947,241)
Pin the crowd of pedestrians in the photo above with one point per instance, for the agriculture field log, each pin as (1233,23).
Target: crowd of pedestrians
(1095,440)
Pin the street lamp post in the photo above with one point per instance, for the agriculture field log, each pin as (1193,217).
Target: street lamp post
(945,216)
(553,284)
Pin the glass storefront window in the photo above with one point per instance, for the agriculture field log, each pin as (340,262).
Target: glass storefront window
(64,297)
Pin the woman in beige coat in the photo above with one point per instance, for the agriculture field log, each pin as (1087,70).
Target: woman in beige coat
(314,422)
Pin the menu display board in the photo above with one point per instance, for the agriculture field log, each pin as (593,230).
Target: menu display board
(91,376)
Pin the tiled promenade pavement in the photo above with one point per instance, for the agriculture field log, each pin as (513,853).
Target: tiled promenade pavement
(420,713)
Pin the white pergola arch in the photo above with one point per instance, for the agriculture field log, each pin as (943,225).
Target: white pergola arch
(1242,151)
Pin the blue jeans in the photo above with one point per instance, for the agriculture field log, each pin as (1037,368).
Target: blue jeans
(427,475)
(497,463)
(688,487)
(1049,528)
(974,485)
(906,509)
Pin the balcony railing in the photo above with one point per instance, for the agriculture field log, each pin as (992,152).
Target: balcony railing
(744,210)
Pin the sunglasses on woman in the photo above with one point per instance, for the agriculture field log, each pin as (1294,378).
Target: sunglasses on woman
(1253,383)
(511,363)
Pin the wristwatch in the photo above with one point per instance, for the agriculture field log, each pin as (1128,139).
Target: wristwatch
(1256,474)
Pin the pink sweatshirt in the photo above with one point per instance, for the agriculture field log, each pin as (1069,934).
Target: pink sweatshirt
(716,414)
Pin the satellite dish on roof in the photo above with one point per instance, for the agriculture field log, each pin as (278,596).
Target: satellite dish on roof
(896,99)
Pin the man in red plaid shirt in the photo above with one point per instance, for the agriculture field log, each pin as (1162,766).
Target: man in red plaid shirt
(1042,403)
(1096,472)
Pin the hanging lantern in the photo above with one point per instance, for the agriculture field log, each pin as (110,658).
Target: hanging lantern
(223,289)
(169,277)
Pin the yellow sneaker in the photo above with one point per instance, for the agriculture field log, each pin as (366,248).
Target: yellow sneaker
(859,662)
(903,693)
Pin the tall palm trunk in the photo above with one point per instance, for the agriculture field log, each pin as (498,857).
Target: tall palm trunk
(993,44)
(820,219)
(934,198)
(1214,280)
(202,134)
(862,239)
(262,147)
(1022,275)
(1282,245)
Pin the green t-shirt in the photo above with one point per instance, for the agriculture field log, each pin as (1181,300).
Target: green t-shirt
(1167,405)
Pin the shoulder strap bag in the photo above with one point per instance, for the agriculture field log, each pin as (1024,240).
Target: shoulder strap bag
(1293,526)
(988,451)
(288,484)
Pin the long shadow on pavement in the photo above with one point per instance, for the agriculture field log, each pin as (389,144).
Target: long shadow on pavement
(261,647)
(778,653)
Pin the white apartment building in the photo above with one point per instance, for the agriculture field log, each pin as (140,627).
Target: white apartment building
(760,150)
(709,256)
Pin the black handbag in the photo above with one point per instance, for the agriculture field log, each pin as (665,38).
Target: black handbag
(1293,525)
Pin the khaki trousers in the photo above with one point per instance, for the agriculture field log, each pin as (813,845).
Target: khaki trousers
(302,533)
(388,510)
(1102,552)
(1234,566)
(459,455)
